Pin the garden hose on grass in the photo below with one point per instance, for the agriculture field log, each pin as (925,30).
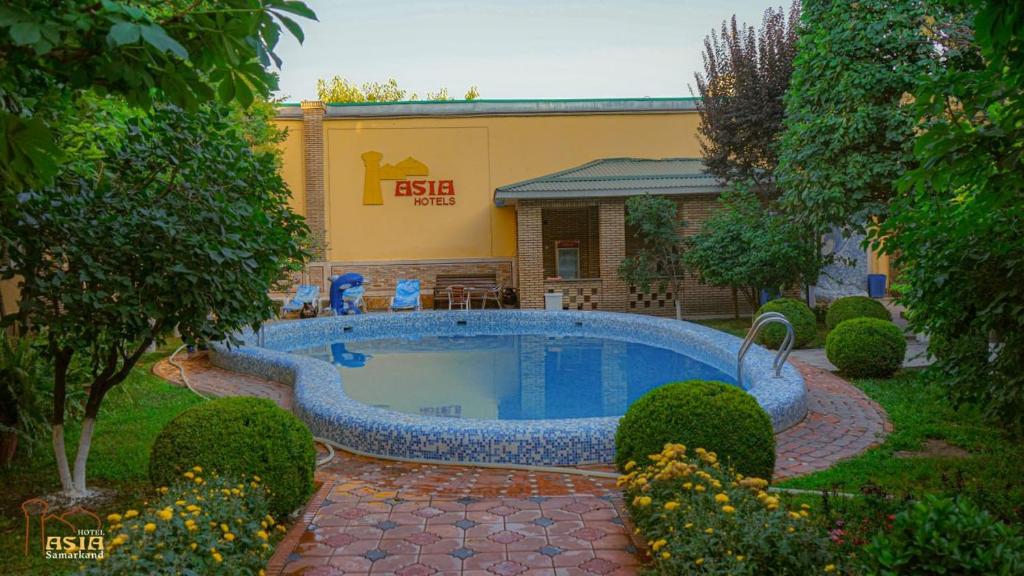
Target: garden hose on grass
(331,446)
(181,370)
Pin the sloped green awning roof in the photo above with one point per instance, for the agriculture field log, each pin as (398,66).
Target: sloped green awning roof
(613,177)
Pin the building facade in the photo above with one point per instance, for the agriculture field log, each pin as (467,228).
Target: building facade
(532,192)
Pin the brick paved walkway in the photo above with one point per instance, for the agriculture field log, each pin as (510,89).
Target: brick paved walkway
(373,516)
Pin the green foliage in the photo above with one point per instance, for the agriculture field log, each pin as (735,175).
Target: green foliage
(232,435)
(660,258)
(746,247)
(339,90)
(805,326)
(866,347)
(23,377)
(182,51)
(848,133)
(991,473)
(956,224)
(178,221)
(203,524)
(701,519)
(746,73)
(711,415)
(850,307)
(946,536)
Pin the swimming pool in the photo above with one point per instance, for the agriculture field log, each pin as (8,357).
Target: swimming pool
(506,377)
(511,386)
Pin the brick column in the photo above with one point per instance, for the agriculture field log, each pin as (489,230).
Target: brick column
(313,159)
(612,235)
(530,254)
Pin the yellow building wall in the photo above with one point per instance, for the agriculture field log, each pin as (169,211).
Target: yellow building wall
(292,169)
(478,155)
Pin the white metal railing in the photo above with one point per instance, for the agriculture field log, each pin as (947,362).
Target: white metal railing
(784,350)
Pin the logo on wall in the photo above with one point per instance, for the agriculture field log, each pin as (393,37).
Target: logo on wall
(422,191)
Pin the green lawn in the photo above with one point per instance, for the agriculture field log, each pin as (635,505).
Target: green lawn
(739,327)
(131,417)
(993,474)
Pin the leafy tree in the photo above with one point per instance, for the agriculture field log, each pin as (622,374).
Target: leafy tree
(184,51)
(745,247)
(339,89)
(660,259)
(746,73)
(848,129)
(956,224)
(165,220)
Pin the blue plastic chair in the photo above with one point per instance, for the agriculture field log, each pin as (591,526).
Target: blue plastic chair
(407,296)
(304,294)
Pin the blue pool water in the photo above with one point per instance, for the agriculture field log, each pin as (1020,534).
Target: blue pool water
(510,377)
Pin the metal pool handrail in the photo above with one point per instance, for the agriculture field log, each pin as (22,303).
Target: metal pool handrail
(784,349)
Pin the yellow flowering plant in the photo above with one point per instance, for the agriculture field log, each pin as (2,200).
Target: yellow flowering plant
(700,517)
(205,524)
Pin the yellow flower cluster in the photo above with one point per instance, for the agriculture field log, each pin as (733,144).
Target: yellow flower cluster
(138,541)
(678,485)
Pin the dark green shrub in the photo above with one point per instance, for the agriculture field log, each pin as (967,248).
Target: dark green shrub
(866,347)
(851,307)
(798,314)
(944,536)
(235,437)
(699,414)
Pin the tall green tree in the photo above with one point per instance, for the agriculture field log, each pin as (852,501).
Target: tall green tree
(339,89)
(659,261)
(163,220)
(182,51)
(746,244)
(745,247)
(848,128)
(957,224)
(746,74)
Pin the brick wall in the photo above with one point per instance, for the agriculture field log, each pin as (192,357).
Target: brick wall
(530,254)
(383,276)
(313,164)
(571,224)
(699,300)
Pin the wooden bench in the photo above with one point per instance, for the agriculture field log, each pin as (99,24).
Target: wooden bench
(479,286)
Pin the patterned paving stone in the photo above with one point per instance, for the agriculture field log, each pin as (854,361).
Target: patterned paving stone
(507,568)
(416,519)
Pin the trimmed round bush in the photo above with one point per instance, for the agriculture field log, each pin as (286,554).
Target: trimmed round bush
(236,437)
(866,347)
(850,307)
(699,414)
(799,315)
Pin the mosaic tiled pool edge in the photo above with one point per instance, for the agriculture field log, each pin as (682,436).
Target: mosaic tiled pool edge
(321,402)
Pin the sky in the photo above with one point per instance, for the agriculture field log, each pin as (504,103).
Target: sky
(510,49)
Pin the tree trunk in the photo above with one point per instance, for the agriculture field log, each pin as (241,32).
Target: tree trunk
(84,443)
(61,455)
(62,360)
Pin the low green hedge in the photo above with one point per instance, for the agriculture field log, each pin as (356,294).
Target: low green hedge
(710,415)
(944,536)
(851,307)
(799,315)
(239,436)
(866,347)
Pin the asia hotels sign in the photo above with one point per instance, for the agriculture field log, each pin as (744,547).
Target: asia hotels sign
(410,182)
